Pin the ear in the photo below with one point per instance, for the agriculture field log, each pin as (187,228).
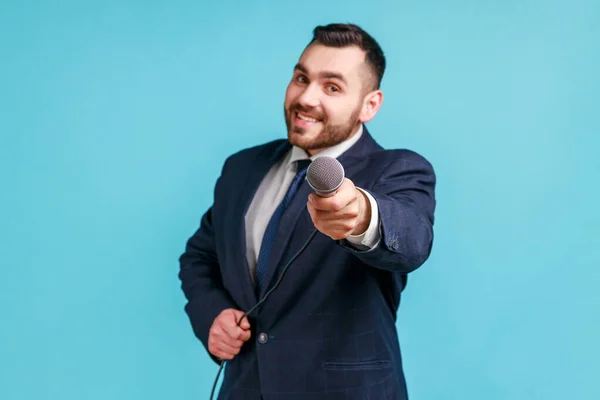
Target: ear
(371,104)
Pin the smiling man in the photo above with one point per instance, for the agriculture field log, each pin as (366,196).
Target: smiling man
(328,331)
(333,90)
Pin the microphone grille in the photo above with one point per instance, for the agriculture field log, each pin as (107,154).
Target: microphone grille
(325,175)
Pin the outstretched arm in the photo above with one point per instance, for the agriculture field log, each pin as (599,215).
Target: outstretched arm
(405,203)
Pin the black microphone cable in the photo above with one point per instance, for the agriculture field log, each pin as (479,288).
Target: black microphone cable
(310,238)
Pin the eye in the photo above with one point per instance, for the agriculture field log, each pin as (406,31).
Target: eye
(301,79)
(333,88)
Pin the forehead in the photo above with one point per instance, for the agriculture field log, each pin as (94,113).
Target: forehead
(348,61)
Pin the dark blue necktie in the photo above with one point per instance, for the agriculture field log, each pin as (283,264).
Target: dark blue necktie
(271,231)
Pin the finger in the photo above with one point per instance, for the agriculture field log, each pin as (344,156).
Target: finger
(246,335)
(214,346)
(336,202)
(336,228)
(345,193)
(235,343)
(237,315)
(225,348)
(217,340)
(232,330)
(245,324)
(348,213)
(311,209)
(219,334)
(223,351)
(229,322)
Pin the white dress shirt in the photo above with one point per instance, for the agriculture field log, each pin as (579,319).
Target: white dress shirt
(273,188)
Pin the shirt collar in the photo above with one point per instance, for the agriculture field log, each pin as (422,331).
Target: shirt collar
(334,151)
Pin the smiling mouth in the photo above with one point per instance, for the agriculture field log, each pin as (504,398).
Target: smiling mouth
(305,117)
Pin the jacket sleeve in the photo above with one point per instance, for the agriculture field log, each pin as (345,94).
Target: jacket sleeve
(201,281)
(405,196)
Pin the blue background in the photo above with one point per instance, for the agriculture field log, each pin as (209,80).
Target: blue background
(115,119)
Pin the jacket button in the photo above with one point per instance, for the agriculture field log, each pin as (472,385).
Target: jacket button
(394,245)
(262,338)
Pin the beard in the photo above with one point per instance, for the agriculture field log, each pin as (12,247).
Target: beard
(330,134)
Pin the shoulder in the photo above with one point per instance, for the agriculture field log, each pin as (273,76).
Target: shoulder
(399,160)
(380,157)
(250,154)
(402,170)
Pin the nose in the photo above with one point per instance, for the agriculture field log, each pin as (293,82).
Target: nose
(309,97)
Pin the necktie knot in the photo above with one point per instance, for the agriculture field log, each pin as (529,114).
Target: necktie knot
(302,166)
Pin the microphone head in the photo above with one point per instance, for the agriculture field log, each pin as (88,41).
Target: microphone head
(325,175)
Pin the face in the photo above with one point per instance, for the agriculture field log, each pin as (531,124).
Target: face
(327,98)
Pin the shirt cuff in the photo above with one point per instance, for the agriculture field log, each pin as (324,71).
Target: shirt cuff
(370,238)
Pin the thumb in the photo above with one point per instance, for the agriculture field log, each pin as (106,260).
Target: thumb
(245,324)
(237,314)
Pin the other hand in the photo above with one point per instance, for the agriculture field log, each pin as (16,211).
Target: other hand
(225,338)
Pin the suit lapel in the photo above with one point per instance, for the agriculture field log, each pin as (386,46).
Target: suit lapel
(257,170)
(287,225)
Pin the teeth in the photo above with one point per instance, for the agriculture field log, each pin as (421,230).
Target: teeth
(304,118)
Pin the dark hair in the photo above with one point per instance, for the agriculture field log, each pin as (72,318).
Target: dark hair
(343,35)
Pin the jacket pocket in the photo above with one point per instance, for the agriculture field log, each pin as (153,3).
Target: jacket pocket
(356,366)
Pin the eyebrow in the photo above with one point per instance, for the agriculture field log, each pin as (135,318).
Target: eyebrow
(323,74)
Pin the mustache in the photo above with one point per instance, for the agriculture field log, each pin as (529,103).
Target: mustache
(298,107)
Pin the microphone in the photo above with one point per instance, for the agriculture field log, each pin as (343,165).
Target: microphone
(325,175)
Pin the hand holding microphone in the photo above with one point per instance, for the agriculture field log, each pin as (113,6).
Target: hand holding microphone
(337,208)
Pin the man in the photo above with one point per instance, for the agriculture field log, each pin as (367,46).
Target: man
(328,330)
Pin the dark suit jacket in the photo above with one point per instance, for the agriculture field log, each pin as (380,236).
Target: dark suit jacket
(330,325)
